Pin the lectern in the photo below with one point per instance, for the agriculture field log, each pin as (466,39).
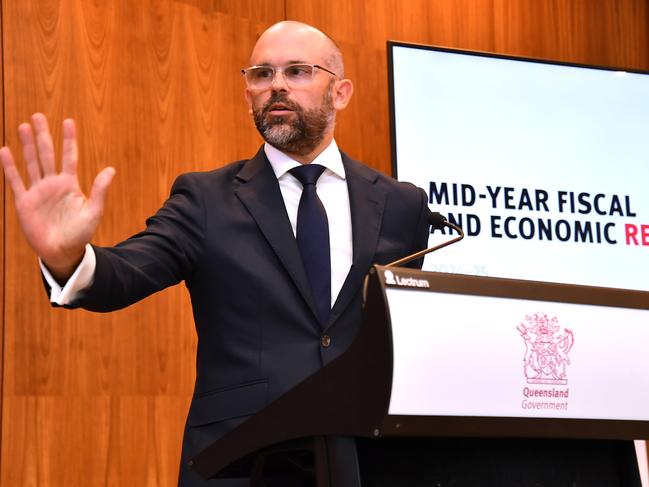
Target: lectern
(460,380)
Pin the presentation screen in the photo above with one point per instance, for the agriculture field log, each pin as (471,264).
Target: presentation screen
(544,165)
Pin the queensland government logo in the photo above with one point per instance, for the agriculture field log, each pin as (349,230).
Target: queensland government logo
(546,349)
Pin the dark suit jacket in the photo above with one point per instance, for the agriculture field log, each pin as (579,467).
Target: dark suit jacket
(226,233)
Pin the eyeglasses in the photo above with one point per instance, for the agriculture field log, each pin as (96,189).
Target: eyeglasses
(260,77)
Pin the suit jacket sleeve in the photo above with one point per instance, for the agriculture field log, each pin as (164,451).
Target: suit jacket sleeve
(160,256)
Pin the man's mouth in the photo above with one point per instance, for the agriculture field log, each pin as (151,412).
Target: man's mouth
(279,109)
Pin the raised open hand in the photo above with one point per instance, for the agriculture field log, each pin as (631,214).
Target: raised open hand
(57,218)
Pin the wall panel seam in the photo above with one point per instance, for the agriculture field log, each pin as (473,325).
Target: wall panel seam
(4,242)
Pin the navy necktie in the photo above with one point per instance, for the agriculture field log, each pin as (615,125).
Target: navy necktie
(313,238)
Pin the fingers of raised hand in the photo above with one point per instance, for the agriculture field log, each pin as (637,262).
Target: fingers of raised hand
(100,188)
(11,173)
(70,151)
(44,143)
(29,152)
(38,148)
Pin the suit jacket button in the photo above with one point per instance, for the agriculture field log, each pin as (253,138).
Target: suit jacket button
(325,341)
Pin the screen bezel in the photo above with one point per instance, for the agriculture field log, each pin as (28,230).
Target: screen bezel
(391,99)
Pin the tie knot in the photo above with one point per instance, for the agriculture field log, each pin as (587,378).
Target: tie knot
(307,173)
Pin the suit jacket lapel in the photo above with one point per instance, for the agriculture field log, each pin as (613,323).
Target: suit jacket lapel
(367,202)
(259,192)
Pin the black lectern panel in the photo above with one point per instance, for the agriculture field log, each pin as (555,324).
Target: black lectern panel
(496,462)
(348,397)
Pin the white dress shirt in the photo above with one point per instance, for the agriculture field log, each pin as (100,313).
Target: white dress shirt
(332,191)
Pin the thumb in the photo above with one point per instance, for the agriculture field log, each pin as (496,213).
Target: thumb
(99,189)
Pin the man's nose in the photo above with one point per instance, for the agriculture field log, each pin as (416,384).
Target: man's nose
(279,82)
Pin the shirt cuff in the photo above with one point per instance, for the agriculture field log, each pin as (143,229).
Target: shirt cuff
(81,278)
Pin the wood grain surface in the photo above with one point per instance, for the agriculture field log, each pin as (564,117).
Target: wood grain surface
(154,85)
(2,252)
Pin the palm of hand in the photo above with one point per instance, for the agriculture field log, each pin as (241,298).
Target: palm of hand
(56,217)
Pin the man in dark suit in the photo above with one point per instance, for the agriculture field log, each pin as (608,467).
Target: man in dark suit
(230,234)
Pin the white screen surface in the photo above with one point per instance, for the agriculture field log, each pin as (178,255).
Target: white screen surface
(552,161)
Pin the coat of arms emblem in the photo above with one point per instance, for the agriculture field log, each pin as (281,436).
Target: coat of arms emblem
(547,346)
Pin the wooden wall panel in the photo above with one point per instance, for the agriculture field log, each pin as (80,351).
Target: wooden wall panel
(156,91)
(2,242)
(112,440)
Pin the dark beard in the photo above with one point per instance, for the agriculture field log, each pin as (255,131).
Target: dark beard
(300,135)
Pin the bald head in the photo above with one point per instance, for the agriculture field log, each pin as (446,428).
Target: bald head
(300,43)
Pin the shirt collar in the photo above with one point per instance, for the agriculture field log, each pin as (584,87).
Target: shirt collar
(329,158)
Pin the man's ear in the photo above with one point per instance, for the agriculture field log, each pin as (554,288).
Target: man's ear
(248,98)
(342,93)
